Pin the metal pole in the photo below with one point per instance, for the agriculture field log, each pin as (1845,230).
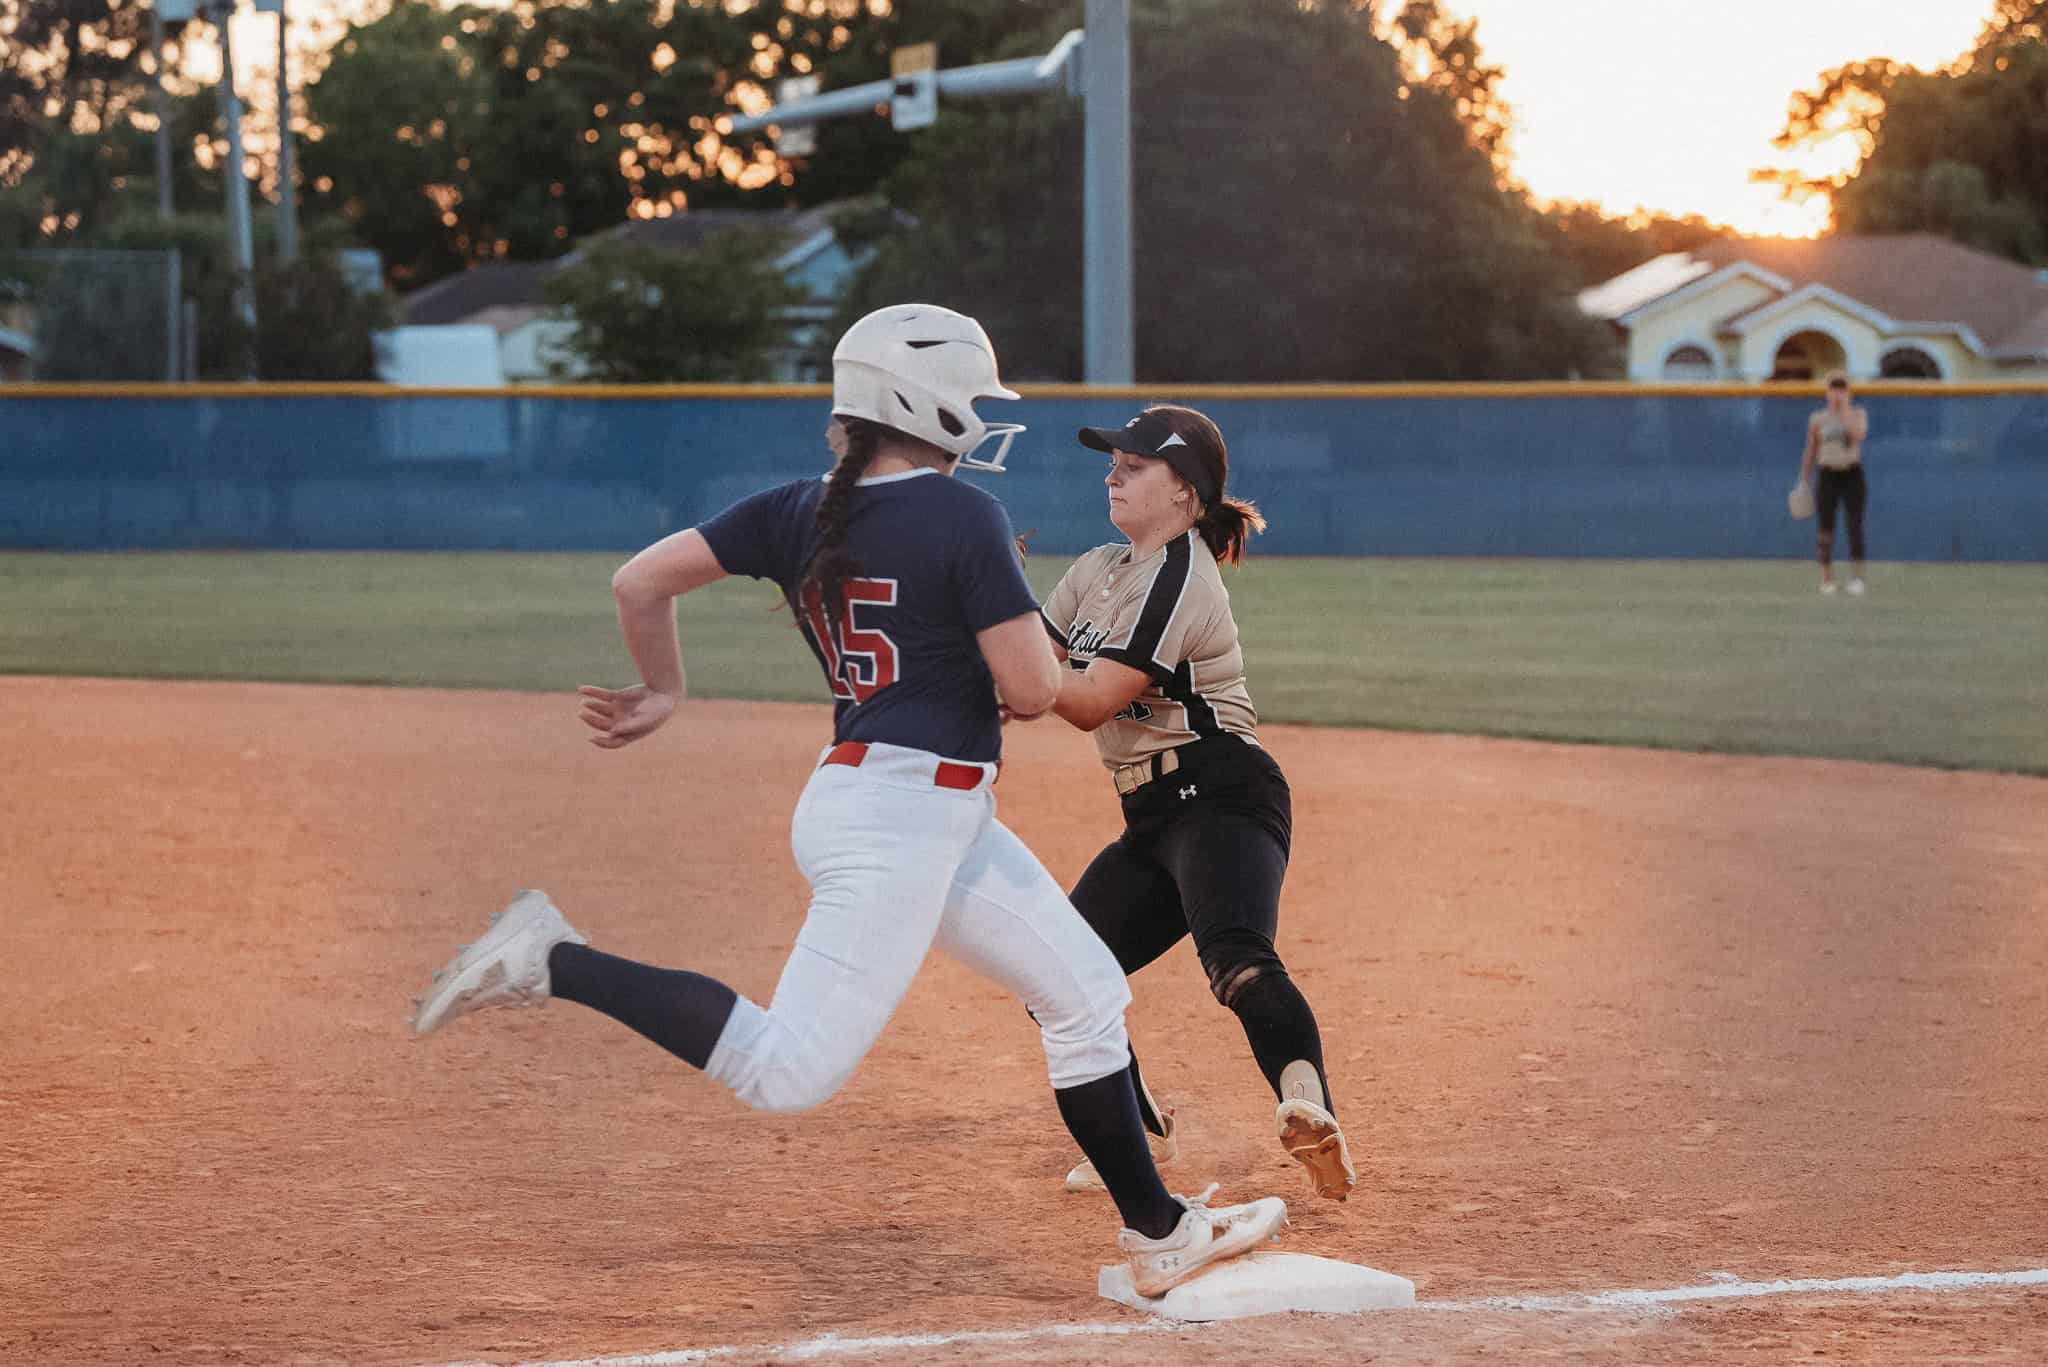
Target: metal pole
(164,206)
(1107,334)
(174,332)
(287,190)
(240,248)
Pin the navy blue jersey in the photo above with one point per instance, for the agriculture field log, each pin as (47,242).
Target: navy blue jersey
(936,563)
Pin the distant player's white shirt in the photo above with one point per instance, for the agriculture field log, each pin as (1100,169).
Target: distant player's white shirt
(1169,616)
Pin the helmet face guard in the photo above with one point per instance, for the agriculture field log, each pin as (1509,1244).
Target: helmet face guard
(919,368)
(1007,431)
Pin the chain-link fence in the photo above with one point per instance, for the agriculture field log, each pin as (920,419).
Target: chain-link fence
(87,314)
(1605,471)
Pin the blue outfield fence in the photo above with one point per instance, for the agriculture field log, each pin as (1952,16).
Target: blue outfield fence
(1484,470)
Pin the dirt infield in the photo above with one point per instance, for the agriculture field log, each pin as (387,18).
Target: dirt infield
(1598,1019)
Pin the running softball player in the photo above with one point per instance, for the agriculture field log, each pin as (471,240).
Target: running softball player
(907,588)
(1155,672)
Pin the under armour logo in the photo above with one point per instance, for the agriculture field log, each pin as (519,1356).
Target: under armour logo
(1175,440)
(1187,792)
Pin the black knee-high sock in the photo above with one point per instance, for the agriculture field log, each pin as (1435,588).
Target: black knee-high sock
(1281,1029)
(1103,1118)
(681,1011)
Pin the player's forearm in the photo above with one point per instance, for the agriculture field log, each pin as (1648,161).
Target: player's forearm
(648,622)
(1081,703)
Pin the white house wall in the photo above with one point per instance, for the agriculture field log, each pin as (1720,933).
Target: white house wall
(1860,342)
(1660,331)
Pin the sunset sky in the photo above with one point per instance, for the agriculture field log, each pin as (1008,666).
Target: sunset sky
(1664,104)
(1668,104)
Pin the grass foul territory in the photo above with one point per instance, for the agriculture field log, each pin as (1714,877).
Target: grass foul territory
(1938,665)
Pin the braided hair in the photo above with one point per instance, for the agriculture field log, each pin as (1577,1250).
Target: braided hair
(831,564)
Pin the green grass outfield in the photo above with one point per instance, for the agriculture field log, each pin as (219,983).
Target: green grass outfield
(1940,664)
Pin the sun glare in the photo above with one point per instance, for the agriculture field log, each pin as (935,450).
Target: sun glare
(1670,105)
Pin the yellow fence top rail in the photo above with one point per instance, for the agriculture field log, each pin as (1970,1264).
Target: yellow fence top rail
(1540,389)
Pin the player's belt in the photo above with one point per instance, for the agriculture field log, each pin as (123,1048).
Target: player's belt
(1131,777)
(946,774)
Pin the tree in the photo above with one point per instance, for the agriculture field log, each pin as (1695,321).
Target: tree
(1598,245)
(311,322)
(641,315)
(1441,59)
(1343,232)
(1962,151)
(450,137)
(72,79)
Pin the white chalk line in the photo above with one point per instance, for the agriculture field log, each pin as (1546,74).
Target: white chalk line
(1725,1287)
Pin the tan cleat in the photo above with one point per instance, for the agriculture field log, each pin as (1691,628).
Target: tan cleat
(1165,1148)
(1311,1137)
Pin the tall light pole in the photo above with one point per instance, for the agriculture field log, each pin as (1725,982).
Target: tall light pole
(287,190)
(1097,60)
(1108,335)
(165,206)
(241,250)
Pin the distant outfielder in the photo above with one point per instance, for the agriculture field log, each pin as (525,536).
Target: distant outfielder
(1156,673)
(906,586)
(1834,443)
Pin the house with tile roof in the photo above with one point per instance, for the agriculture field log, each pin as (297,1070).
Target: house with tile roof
(1882,306)
(505,296)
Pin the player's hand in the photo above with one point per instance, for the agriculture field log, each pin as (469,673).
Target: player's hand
(623,715)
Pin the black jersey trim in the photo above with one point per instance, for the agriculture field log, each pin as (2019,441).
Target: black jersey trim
(1157,672)
(1162,600)
(1059,637)
(1201,713)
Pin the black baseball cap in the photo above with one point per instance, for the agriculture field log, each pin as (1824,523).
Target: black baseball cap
(1183,438)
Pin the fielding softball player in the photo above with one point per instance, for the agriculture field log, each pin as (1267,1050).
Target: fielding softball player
(906,585)
(1834,444)
(1155,672)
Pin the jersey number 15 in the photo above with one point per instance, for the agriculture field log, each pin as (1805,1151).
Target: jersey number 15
(859,661)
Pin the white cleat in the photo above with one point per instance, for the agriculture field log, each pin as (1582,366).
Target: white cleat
(1203,1238)
(1856,588)
(507,966)
(1828,586)
(1165,1148)
(1311,1137)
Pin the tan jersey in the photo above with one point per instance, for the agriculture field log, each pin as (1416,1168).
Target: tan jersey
(1838,448)
(1168,615)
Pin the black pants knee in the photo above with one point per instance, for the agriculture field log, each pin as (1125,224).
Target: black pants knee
(1848,490)
(1203,854)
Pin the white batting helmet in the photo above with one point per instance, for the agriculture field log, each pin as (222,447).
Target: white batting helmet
(919,368)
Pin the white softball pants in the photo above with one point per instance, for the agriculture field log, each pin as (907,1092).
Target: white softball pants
(896,866)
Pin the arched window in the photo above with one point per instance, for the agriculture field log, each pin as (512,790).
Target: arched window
(1806,356)
(1689,362)
(1908,363)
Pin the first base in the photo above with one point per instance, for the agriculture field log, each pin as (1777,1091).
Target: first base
(1266,1284)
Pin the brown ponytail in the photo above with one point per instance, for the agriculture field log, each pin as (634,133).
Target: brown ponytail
(831,563)
(1227,525)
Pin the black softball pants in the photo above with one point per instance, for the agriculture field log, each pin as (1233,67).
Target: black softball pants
(1203,854)
(1849,491)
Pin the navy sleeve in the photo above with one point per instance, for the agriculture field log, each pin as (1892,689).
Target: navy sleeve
(763,535)
(985,567)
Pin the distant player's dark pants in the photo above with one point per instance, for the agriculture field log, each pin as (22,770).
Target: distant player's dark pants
(1845,489)
(1203,853)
